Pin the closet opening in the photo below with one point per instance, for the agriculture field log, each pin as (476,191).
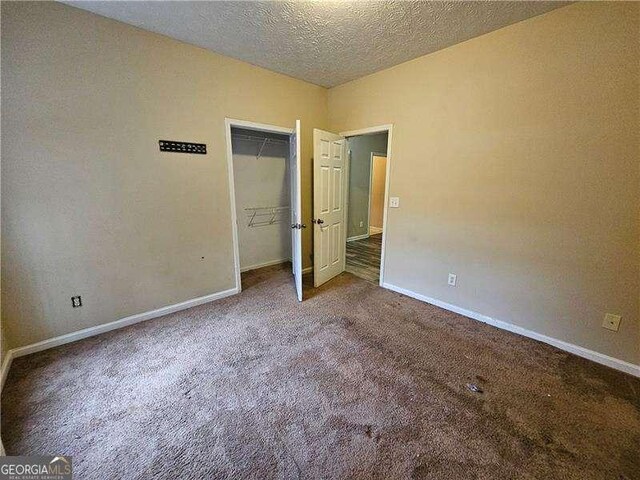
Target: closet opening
(262,163)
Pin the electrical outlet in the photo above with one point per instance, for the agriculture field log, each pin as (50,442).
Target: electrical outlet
(362,224)
(611,322)
(76,301)
(394,202)
(452,279)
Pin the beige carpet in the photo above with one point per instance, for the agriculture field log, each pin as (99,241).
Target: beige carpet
(356,382)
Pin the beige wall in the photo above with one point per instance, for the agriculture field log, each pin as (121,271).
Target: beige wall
(516,160)
(3,337)
(90,206)
(378,176)
(515,155)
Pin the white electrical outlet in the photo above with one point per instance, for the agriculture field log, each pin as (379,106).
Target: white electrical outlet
(362,224)
(452,279)
(611,322)
(394,202)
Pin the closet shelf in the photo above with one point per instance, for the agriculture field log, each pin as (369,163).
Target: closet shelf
(262,216)
(262,140)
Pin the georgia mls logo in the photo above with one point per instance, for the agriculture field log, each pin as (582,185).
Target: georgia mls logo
(59,466)
(35,468)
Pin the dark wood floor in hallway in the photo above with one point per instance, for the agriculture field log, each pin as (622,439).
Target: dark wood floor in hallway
(363,257)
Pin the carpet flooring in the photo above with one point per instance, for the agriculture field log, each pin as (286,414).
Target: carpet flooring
(363,257)
(355,382)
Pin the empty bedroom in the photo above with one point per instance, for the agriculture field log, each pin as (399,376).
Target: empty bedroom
(320,239)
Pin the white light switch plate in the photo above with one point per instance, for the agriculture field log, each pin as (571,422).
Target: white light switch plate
(611,322)
(394,202)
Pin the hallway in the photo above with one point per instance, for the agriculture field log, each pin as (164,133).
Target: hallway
(363,258)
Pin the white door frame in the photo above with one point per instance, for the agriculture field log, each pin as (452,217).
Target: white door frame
(368,131)
(376,154)
(262,127)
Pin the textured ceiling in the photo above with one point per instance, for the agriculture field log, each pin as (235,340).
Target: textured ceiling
(322,42)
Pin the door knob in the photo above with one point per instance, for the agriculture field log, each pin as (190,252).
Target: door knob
(319,221)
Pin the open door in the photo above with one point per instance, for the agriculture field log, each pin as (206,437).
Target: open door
(329,205)
(296,210)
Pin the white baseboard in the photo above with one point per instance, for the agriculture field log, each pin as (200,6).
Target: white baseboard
(6,365)
(358,237)
(4,370)
(265,264)
(123,322)
(374,230)
(601,358)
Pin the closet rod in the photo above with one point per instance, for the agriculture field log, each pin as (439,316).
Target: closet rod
(251,138)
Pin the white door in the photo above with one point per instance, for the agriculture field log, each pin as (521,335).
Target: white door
(329,205)
(296,209)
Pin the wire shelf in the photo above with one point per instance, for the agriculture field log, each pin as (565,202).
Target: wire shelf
(263,216)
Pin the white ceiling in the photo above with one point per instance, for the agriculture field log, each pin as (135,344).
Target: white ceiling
(322,42)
